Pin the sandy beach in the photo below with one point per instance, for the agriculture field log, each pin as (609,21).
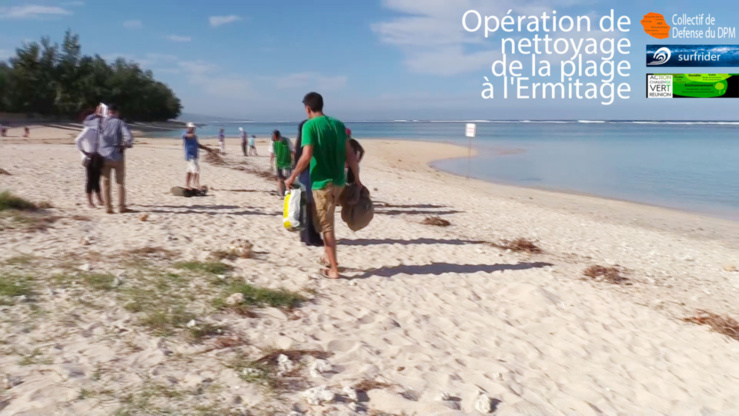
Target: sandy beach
(134,314)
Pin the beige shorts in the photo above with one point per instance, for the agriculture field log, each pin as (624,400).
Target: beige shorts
(193,166)
(325,201)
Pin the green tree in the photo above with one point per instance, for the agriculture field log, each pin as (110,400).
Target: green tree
(44,78)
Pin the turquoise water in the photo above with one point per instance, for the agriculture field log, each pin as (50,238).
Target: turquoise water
(683,165)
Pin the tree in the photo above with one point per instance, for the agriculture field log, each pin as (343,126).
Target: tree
(44,79)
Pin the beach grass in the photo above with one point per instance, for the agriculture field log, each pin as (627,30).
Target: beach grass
(255,373)
(262,297)
(13,286)
(165,320)
(34,357)
(149,252)
(211,267)
(265,371)
(206,330)
(8,201)
(95,281)
(21,260)
(19,213)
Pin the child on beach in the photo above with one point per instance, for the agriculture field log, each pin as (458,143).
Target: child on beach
(253,145)
(222,141)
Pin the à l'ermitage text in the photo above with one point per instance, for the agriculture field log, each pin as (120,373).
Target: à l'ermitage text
(549,56)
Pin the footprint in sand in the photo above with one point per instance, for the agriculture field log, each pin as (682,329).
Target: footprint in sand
(341,345)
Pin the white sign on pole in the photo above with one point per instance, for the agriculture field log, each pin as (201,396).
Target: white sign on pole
(471,130)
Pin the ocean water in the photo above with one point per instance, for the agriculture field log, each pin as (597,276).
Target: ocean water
(691,166)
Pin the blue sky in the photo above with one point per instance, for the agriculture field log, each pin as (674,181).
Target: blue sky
(371,59)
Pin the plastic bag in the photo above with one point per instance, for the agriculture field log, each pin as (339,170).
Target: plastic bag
(291,212)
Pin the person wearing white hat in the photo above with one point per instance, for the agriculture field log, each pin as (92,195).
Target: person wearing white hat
(244,141)
(191,144)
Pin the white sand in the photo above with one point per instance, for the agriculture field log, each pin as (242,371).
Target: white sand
(429,311)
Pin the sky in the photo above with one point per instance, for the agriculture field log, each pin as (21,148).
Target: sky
(370,59)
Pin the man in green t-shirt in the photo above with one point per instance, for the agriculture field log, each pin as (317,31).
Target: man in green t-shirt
(325,150)
(281,152)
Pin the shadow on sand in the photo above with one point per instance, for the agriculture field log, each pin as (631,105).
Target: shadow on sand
(254,191)
(417,241)
(415,212)
(203,209)
(438,269)
(416,206)
(207,207)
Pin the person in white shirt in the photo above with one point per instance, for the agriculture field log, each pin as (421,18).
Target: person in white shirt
(87,143)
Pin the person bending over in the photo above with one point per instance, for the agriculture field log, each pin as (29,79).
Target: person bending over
(192,156)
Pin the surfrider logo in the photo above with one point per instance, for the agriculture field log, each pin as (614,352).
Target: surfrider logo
(661,57)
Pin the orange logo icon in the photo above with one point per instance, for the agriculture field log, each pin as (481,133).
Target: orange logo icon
(656,26)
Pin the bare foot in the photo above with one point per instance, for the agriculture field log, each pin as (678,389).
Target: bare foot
(328,274)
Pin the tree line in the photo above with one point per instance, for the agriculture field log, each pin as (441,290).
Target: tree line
(58,81)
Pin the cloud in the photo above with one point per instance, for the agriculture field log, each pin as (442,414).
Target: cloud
(74,3)
(32,12)
(309,80)
(133,24)
(208,78)
(146,61)
(177,38)
(161,57)
(5,54)
(216,21)
(167,70)
(433,39)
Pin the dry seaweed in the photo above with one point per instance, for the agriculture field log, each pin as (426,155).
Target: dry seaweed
(271,359)
(606,274)
(436,221)
(212,157)
(519,245)
(367,385)
(722,324)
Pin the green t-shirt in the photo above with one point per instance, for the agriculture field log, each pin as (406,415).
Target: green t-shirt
(282,154)
(328,137)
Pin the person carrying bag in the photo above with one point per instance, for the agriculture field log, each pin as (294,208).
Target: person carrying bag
(87,143)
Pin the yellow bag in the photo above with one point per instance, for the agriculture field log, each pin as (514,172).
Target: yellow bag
(291,209)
